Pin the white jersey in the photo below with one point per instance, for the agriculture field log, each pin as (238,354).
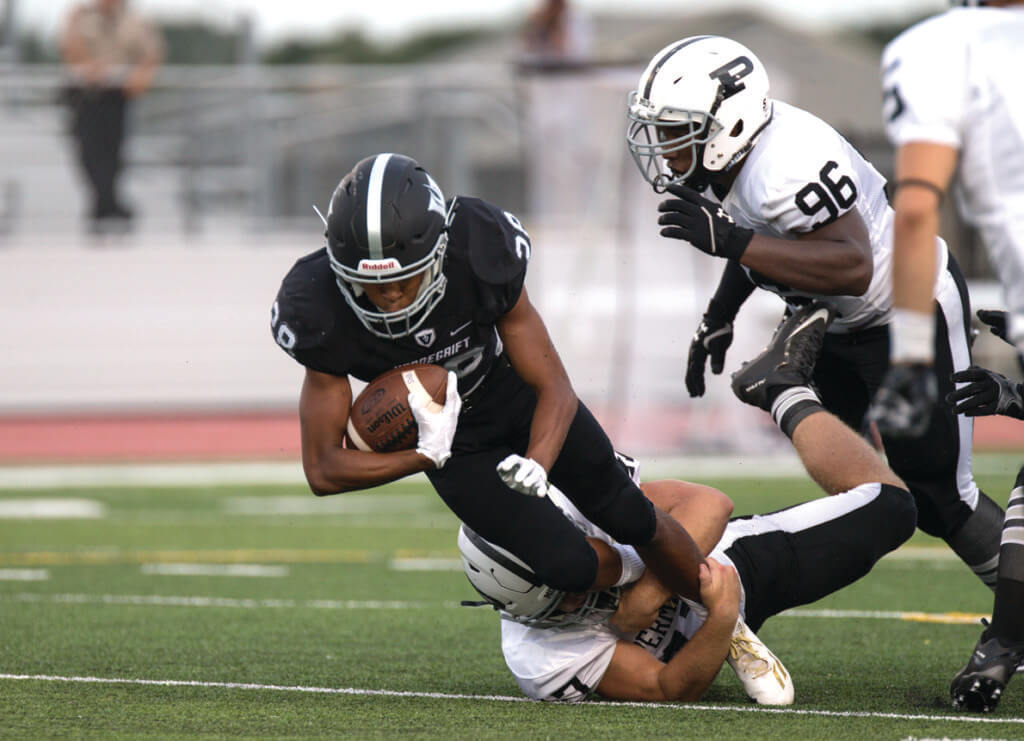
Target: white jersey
(955,79)
(565,664)
(801,175)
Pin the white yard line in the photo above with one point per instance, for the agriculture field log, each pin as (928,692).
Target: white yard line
(946,618)
(24,574)
(505,698)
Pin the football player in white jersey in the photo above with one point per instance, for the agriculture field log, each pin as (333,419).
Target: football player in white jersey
(954,110)
(565,647)
(793,208)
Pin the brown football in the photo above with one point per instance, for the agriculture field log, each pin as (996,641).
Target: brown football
(380,419)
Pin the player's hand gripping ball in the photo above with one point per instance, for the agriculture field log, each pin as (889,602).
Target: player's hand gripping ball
(381,419)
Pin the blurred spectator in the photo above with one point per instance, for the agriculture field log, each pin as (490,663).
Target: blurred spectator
(112,55)
(556,35)
(557,42)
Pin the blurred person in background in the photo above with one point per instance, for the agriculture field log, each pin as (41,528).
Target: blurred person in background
(954,110)
(641,642)
(556,34)
(408,277)
(556,50)
(112,55)
(792,208)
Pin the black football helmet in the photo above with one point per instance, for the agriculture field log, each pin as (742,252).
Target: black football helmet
(387,221)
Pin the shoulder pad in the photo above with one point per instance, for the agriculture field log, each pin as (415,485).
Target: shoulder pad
(303,313)
(496,242)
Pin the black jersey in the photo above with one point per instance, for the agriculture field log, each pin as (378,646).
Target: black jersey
(485,265)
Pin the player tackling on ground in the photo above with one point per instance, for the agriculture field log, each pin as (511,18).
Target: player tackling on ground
(565,647)
(407,277)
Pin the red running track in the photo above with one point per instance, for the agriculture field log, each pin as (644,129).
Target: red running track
(272,436)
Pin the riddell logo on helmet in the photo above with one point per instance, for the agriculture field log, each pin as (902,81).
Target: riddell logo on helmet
(378,266)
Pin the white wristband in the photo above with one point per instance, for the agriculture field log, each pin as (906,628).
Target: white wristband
(632,565)
(913,337)
(1015,331)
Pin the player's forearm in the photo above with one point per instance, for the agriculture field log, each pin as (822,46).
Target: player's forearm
(340,469)
(554,413)
(914,261)
(734,288)
(692,670)
(821,266)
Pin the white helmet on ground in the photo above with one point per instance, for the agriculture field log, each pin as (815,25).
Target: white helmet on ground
(508,584)
(708,94)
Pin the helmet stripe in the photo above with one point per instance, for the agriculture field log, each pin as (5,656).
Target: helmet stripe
(374,200)
(665,57)
(492,552)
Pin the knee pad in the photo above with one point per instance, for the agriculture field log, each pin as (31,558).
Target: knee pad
(568,569)
(901,517)
(627,515)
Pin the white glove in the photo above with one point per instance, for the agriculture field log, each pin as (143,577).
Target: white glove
(436,423)
(524,475)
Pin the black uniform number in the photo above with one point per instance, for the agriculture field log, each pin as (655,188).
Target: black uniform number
(828,195)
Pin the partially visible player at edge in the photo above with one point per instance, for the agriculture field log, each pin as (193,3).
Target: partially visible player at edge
(1000,649)
(407,277)
(954,110)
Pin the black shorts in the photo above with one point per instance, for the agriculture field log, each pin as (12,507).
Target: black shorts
(937,466)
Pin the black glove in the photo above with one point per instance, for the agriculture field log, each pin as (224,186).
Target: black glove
(713,338)
(986,392)
(703,223)
(903,404)
(998,322)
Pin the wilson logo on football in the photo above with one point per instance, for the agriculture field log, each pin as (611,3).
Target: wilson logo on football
(387,417)
(368,405)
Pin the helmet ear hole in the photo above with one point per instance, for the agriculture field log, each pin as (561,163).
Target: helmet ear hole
(737,129)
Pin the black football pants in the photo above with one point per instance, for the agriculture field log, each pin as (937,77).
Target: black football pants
(496,423)
(935,466)
(802,553)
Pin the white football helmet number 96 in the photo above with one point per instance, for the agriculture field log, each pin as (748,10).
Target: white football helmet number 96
(704,94)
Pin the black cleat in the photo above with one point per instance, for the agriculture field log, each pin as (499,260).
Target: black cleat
(980,684)
(787,361)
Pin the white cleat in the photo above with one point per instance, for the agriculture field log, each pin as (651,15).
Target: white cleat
(763,676)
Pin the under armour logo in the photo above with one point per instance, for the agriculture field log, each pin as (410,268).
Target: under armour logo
(722,214)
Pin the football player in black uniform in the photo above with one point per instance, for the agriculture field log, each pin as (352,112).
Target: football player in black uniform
(408,278)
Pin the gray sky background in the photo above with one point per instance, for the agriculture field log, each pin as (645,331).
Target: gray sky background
(391,19)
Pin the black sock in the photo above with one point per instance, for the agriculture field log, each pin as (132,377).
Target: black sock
(1006,614)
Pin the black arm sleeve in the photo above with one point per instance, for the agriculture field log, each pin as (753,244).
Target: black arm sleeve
(734,288)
